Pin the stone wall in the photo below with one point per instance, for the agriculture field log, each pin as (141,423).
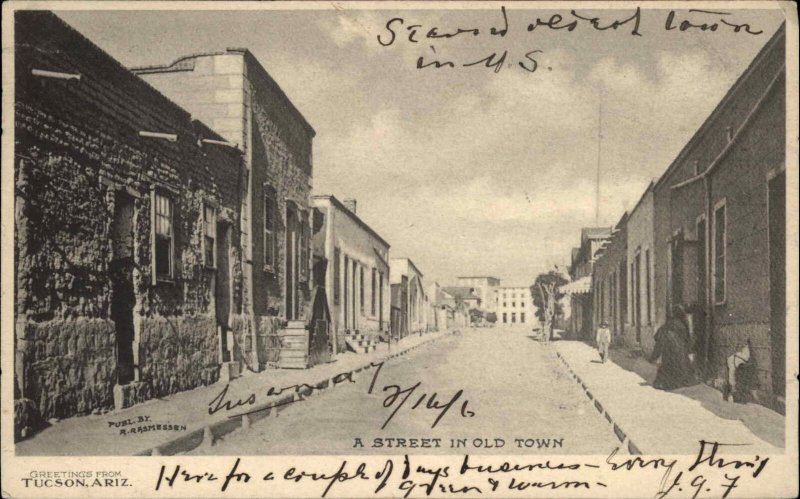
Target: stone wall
(67,366)
(281,163)
(77,148)
(231,91)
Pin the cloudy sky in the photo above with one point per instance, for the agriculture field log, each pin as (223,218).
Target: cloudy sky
(466,170)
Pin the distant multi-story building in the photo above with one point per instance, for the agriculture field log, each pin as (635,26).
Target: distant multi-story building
(515,305)
(484,288)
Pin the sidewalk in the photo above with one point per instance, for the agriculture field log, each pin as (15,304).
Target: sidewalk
(661,422)
(95,435)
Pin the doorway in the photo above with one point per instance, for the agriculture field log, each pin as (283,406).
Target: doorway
(346,293)
(353,304)
(123,297)
(222,292)
(380,301)
(637,296)
(699,326)
(777,280)
(292,235)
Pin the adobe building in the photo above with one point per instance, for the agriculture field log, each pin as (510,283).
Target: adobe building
(127,245)
(232,92)
(450,311)
(408,298)
(609,286)
(639,333)
(356,276)
(720,228)
(437,312)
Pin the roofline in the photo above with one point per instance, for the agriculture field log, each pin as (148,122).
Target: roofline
(478,277)
(383,261)
(353,216)
(410,262)
(468,297)
(150,88)
(595,236)
(171,67)
(159,68)
(650,187)
(620,222)
(780,34)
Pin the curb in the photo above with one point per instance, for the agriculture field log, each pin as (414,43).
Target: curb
(622,435)
(207,435)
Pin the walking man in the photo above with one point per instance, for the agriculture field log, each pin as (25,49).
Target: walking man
(603,340)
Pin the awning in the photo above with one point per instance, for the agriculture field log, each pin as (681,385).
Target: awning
(578,286)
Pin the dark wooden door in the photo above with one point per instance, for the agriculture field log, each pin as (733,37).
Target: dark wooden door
(380,301)
(123,297)
(222,298)
(320,341)
(777,281)
(637,296)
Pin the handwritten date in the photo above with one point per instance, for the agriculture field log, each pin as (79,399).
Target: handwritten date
(398,397)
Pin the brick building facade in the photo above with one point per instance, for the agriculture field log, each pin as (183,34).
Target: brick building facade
(720,227)
(127,242)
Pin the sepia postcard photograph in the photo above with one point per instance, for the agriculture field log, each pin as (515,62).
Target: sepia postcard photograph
(400,249)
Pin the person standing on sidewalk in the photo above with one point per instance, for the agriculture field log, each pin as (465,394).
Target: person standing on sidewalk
(603,340)
(672,347)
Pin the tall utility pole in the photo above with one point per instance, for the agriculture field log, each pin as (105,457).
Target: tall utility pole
(599,151)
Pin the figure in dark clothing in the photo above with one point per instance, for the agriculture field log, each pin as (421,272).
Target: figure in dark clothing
(673,347)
